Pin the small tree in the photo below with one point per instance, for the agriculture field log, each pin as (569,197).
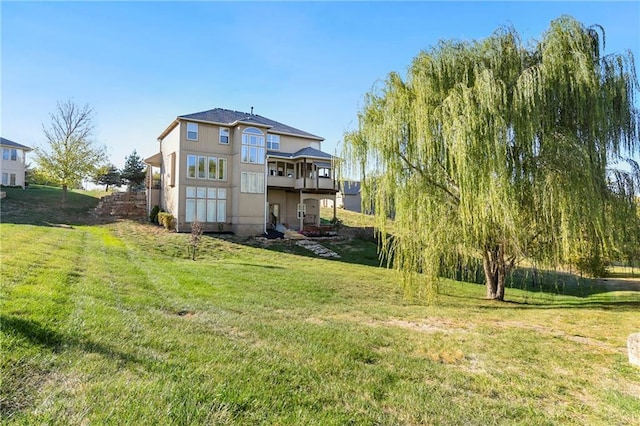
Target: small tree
(134,171)
(71,156)
(196,236)
(108,175)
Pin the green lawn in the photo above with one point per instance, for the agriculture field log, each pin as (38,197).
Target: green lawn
(115,324)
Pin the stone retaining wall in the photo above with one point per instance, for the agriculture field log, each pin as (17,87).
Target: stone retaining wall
(123,205)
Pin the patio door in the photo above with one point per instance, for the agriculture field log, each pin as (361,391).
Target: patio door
(274,214)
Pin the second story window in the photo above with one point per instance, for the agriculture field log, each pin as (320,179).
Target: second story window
(273,142)
(222,168)
(9,154)
(252,146)
(200,167)
(192,131)
(224,136)
(191,166)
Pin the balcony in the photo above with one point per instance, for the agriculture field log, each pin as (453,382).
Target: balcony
(305,174)
(315,184)
(322,183)
(281,181)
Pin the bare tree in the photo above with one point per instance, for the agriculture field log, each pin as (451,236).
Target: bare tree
(72,155)
(196,235)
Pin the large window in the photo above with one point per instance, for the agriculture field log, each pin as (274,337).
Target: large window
(9,179)
(222,168)
(206,204)
(273,142)
(252,146)
(213,168)
(202,163)
(224,135)
(9,154)
(192,131)
(252,183)
(191,166)
(201,167)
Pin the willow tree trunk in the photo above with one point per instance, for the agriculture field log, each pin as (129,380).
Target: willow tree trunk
(495,270)
(64,193)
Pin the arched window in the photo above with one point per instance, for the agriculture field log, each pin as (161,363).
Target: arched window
(252,146)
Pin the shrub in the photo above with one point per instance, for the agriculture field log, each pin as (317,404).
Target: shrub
(153,216)
(167,220)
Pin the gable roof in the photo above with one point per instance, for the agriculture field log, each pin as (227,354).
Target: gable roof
(12,144)
(304,152)
(231,118)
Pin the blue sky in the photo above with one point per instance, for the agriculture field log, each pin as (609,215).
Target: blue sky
(306,64)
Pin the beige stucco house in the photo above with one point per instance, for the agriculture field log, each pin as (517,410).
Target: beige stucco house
(12,165)
(240,172)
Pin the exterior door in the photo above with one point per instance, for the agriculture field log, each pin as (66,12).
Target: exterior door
(274,214)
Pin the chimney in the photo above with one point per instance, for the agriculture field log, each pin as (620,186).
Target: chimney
(251,110)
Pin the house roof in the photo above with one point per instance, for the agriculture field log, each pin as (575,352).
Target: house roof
(350,187)
(12,144)
(304,152)
(155,160)
(231,118)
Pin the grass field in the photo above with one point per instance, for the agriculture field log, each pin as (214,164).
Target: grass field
(115,324)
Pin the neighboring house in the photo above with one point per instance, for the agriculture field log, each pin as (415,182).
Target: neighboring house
(240,172)
(349,197)
(13,162)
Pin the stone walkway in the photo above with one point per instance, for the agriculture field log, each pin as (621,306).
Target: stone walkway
(318,249)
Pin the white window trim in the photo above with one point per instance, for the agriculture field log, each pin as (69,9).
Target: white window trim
(252,183)
(253,139)
(195,166)
(221,168)
(270,142)
(222,176)
(224,130)
(215,173)
(202,161)
(196,131)
(199,201)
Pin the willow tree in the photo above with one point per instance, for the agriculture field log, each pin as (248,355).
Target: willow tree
(493,151)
